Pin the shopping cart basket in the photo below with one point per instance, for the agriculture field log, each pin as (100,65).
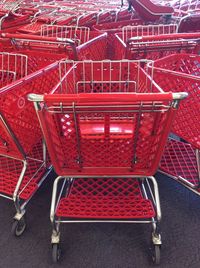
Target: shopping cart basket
(24,163)
(181,159)
(105,125)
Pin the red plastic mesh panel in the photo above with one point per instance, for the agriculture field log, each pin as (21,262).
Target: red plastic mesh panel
(95,49)
(105,198)
(19,113)
(116,49)
(6,78)
(106,140)
(182,63)
(186,123)
(32,28)
(179,160)
(10,170)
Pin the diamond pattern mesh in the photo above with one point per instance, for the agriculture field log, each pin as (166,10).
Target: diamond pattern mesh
(10,170)
(186,123)
(105,198)
(95,50)
(106,140)
(179,160)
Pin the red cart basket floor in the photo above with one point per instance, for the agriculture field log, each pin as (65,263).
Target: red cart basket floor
(117,198)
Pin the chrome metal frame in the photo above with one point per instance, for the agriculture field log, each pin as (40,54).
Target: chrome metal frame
(63,31)
(151,29)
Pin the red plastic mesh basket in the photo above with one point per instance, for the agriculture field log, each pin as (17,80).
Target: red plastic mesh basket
(110,140)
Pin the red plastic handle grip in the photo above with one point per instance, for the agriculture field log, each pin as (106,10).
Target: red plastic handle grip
(107,97)
(36,38)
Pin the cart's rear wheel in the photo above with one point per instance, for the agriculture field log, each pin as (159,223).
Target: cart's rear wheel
(18,227)
(56,253)
(156,254)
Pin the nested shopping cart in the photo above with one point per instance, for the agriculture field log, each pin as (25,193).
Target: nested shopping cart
(24,162)
(79,35)
(12,16)
(181,159)
(105,125)
(157,46)
(41,51)
(90,44)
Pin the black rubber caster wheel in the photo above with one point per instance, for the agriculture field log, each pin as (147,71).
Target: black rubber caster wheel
(156,254)
(18,227)
(56,253)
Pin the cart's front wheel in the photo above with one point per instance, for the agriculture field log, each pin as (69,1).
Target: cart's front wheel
(156,254)
(18,227)
(56,253)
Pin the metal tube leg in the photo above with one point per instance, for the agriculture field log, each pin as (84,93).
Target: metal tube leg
(157,198)
(44,149)
(156,237)
(16,200)
(55,238)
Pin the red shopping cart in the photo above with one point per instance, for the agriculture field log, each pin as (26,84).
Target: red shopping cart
(105,125)
(181,159)
(41,51)
(24,164)
(155,47)
(91,44)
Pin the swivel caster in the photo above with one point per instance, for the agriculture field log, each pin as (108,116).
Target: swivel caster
(18,227)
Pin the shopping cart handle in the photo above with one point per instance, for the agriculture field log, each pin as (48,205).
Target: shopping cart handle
(107,97)
(179,95)
(35,97)
(37,38)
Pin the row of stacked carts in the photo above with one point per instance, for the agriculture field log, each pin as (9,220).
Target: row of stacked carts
(106,93)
